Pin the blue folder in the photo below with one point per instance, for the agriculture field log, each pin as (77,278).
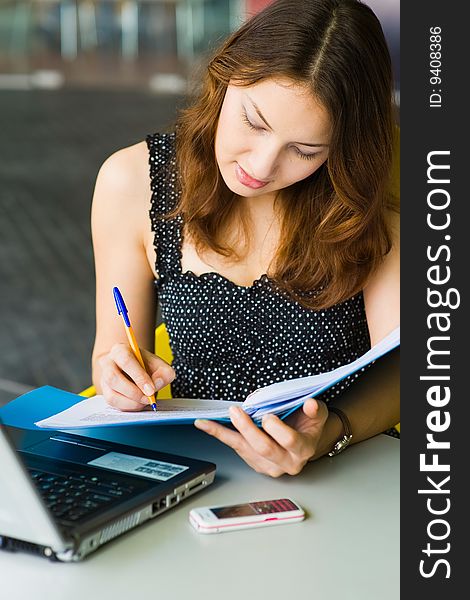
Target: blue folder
(36,405)
(43,402)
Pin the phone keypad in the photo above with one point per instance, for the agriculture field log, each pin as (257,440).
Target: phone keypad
(273,506)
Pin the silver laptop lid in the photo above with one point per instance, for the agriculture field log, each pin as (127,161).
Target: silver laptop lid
(22,513)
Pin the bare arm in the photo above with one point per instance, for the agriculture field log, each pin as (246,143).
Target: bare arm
(372,403)
(120,224)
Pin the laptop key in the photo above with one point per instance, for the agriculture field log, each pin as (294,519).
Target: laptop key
(74,480)
(115,486)
(49,478)
(100,498)
(77,486)
(74,516)
(117,493)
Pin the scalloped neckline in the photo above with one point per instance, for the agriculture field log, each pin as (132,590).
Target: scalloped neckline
(215,275)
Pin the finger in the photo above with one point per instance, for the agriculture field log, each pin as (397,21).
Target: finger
(259,440)
(117,400)
(285,436)
(310,417)
(315,409)
(223,434)
(298,446)
(126,360)
(160,371)
(299,433)
(116,381)
(235,441)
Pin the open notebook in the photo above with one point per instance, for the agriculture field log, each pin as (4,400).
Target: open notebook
(278,398)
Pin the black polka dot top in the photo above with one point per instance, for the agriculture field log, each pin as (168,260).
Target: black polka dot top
(227,340)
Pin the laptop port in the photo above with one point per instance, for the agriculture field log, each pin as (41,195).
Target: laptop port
(196,485)
(158,506)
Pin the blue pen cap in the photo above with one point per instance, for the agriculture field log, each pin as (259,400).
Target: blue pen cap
(121,306)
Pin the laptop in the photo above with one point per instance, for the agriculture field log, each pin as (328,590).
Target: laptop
(63,496)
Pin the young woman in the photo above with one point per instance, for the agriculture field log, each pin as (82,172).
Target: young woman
(266,227)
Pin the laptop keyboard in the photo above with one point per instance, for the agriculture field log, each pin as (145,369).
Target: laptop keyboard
(74,497)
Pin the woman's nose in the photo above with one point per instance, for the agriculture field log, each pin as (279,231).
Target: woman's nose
(264,162)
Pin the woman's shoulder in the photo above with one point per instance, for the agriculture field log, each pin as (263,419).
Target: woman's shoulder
(122,192)
(128,178)
(126,170)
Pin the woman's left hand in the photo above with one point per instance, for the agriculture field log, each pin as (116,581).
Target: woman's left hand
(278,447)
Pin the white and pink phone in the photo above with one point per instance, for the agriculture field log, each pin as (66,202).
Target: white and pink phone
(217,519)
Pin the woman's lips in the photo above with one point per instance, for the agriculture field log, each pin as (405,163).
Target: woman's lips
(245,179)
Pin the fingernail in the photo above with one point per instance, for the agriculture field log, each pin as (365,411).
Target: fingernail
(201,423)
(148,389)
(159,383)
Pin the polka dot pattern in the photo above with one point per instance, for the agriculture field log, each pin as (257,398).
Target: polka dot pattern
(228,340)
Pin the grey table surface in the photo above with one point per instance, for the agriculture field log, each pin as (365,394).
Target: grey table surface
(347,547)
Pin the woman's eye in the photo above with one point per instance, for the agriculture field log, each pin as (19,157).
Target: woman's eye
(247,121)
(305,156)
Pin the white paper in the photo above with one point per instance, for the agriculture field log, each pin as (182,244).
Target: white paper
(95,412)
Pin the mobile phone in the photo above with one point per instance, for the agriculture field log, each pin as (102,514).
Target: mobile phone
(217,519)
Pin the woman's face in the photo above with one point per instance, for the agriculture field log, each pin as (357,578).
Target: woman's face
(269,136)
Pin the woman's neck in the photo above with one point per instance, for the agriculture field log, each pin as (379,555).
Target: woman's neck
(259,210)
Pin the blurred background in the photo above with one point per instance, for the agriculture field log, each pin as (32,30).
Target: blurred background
(80,79)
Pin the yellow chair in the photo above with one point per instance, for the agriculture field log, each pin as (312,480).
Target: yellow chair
(163,350)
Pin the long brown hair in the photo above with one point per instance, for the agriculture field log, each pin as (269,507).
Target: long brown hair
(334,226)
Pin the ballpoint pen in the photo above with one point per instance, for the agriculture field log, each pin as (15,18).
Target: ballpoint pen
(122,310)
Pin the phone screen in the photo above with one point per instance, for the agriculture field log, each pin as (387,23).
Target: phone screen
(254,508)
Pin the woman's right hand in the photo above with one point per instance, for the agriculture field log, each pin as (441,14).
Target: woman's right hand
(125,384)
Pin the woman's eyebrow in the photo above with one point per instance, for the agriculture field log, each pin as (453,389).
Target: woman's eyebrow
(260,115)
